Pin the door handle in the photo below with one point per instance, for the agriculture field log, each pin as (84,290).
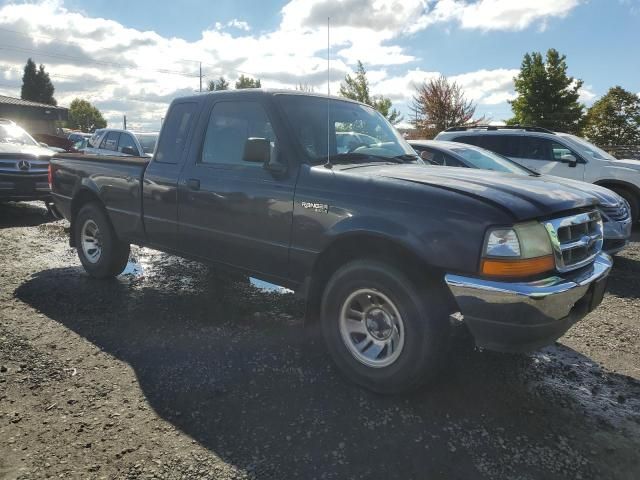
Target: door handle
(193,184)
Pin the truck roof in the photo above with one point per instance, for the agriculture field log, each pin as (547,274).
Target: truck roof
(253,92)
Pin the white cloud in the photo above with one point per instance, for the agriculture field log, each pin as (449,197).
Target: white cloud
(125,70)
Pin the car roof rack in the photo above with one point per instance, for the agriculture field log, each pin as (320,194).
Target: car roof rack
(528,128)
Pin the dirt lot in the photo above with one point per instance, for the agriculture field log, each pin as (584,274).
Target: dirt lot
(174,371)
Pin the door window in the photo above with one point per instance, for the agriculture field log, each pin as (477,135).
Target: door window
(230,125)
(559,151)
(536,148)
(176,127)
(126,141)
(110,141)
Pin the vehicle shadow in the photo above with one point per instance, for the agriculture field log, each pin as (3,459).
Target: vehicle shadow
(23,214)
(232,367)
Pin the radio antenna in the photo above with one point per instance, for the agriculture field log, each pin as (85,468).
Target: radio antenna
(328,164)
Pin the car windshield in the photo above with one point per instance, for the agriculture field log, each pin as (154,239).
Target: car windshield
(487,160)
(15,134)
(589,148)
(353,129)
(147,141)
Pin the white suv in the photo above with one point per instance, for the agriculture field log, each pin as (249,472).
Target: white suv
(559,154)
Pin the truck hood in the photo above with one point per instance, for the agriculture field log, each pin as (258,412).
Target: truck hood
(524,197)
(605,196)
(7,149)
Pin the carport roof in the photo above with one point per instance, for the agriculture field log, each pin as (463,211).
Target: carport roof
(27,103)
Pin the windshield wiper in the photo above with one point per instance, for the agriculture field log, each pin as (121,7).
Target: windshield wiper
(354,156)
(407,157)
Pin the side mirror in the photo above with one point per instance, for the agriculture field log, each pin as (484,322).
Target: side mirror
(129,151)
(257,150)
(570,159)
(42,144)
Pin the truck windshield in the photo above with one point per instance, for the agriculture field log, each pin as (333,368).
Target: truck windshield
(353,129)
(15,134)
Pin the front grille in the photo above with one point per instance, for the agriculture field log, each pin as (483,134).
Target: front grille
(617,213)
(576,239)
(30,165)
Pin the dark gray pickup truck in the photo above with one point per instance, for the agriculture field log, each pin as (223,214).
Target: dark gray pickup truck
(385,250)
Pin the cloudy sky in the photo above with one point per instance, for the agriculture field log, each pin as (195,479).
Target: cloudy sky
(133,57)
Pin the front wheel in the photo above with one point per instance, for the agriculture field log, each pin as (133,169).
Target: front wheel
(385,331)
(102,254)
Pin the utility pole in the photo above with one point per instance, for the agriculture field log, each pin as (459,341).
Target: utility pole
(201,77)
(124,122)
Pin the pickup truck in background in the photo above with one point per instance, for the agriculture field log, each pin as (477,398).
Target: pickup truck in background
(117,142)
(254,180)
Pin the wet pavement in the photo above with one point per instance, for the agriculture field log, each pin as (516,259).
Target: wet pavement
(174,370)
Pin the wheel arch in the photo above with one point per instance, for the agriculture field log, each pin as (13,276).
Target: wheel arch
(612,184)
(361,245)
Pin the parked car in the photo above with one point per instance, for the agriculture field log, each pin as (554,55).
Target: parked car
(349,141)
(613,208)
(24,165)
(252,180)
(559,154)
(115,142)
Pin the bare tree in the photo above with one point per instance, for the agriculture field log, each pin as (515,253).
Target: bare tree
(439,104)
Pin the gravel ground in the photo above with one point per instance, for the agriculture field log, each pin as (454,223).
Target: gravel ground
(174,371)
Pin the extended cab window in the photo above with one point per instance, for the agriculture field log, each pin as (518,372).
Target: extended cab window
(230,125)
(110,141)
(177,125)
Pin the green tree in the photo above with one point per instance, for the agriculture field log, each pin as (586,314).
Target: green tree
(36,84)
(547,96)
(439,104)
(247,82)
(219,84)
(84,117)
(357,88)
(614,119)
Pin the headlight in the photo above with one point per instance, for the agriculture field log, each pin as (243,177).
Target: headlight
(520,251)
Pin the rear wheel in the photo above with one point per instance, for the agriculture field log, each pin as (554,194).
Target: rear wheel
(383,330)
(102,254)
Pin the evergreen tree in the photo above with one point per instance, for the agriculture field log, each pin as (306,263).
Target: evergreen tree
(614,119)
(547,96)
(357,88)
(36,84)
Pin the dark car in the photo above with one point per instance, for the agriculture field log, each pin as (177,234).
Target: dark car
(614,209)
(24,165)
(383,248)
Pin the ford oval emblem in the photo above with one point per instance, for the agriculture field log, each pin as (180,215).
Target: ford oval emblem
(24,166)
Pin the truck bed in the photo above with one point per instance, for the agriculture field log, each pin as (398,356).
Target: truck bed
(116,181)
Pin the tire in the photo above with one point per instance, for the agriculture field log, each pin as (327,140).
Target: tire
(633,203)
(389,304)
(100,251)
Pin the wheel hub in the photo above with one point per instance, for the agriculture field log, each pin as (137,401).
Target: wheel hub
(379,324)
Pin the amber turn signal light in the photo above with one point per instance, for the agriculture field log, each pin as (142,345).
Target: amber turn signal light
(517,267)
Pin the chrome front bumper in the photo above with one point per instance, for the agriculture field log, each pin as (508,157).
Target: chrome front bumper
(512,316)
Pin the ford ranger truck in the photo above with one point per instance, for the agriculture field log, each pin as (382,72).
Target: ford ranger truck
(385,250)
